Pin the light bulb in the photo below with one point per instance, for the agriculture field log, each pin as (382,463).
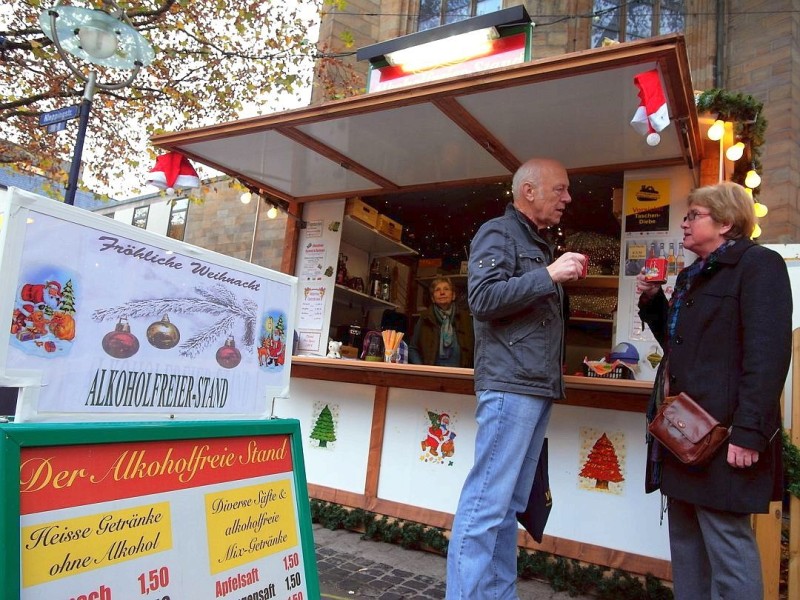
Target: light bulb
(749,192)
(246,198)
(717,130)
(735,152)
(756,232)
(752,179)
(272,212)
(97,40)
(760,210)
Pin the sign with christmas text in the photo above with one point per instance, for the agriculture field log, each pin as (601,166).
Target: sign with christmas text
(181,514)
(113,321)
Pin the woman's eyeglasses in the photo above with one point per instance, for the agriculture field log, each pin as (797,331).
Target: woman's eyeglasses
(693,214)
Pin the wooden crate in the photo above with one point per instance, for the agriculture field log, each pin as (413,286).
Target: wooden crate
(388,227)
(362,211)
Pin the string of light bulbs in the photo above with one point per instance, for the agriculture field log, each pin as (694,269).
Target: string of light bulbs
(734,153)
(275,205)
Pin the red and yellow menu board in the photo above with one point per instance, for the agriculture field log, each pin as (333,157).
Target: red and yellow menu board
(158,511)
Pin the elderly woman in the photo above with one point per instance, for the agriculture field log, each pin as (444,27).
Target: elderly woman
(726,334)
(443,335)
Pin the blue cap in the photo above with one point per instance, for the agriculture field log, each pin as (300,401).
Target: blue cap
(625,352)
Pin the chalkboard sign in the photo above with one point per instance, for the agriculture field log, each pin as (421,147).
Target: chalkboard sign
(162,511)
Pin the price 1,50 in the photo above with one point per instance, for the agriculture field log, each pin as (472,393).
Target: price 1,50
(290,561)
(154,580)
(293,580)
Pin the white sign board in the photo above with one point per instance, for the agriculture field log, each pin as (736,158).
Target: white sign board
(109,321)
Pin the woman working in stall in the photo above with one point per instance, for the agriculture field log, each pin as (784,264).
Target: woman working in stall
(726,334)
(443,335)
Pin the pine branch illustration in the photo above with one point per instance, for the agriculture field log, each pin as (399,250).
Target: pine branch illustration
(216,300)
(152,308)
(249,335)
(221,295)
(197,343)
(214,304)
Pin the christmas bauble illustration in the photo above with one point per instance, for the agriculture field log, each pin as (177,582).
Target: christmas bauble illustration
(121,343)
(228,356)
(163,334)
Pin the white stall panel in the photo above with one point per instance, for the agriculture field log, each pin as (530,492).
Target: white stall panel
(620,516)
(411,473)
(339,463)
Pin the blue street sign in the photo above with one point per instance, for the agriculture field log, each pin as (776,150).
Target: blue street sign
(57,126)
(59,115)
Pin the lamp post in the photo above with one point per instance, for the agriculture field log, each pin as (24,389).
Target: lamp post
(99,37)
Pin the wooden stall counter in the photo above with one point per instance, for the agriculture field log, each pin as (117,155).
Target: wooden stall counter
(370,436)
(594,392)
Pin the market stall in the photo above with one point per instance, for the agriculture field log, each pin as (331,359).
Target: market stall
(375,432)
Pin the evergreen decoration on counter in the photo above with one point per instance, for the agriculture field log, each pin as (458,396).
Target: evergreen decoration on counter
(562,574)
(791,466)
(749,125)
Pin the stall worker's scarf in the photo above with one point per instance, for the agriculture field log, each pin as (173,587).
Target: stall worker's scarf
(685,279)
(445,320)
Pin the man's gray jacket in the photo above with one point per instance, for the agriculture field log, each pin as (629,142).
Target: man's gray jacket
(517,309)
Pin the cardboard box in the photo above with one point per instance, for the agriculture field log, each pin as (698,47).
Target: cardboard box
(348,352)
(388,227)
(362,211)
(428,267)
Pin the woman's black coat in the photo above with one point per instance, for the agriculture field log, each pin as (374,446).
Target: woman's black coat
(731,352)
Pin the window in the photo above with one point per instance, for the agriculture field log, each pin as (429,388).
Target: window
(177,219)
(140,217)
(635,19)
(433,13)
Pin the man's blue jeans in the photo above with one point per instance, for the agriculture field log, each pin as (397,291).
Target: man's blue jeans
(482,556)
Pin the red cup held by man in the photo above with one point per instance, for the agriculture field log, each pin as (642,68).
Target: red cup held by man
(655,270)
(585,271)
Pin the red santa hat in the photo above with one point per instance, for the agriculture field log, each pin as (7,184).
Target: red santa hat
(173,170)
(653,114)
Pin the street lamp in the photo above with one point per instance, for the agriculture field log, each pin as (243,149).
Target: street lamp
(100,37)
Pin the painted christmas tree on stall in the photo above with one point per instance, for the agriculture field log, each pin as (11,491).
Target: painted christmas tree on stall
(324,431)
(67,304)
(280,327)
(602,464)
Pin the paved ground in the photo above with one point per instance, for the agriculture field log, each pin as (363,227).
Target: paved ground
(352,568)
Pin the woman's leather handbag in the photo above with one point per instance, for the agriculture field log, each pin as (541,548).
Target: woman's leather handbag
(684,428)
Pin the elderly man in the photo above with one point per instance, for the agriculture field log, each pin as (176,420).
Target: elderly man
(516,300)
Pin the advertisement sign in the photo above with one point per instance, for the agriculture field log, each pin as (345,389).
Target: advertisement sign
(647,206)
(107,321)
(162,511)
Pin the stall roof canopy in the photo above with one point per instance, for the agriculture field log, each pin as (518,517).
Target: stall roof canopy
(473,129)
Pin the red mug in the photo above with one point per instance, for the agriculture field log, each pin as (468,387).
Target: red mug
(585,271)
(655,270)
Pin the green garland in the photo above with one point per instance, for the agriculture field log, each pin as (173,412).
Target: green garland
(749,125)
(562,574)
(791,466)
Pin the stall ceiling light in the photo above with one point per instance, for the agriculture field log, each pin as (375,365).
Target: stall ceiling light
(453,49)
